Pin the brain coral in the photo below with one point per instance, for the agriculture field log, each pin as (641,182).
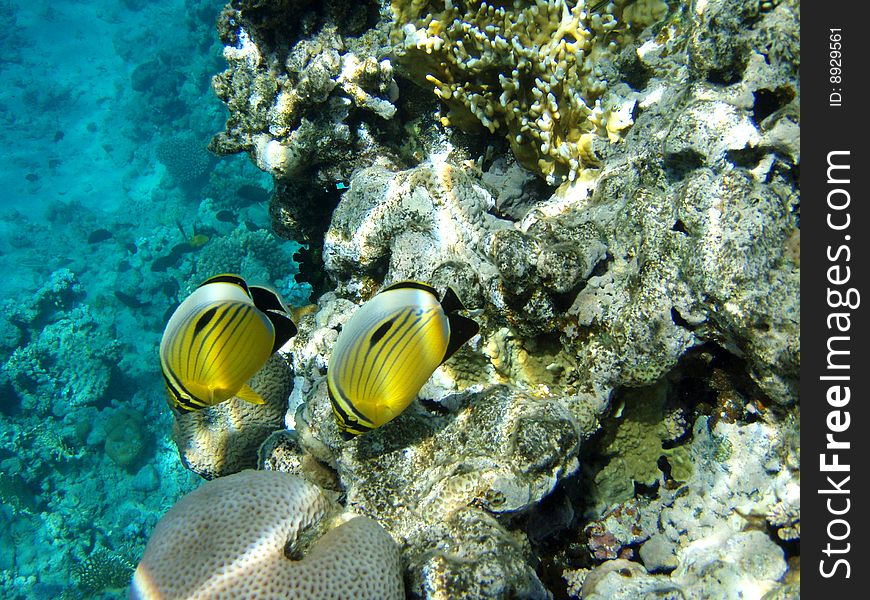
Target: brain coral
(224,438)
(532,71)
(228,539)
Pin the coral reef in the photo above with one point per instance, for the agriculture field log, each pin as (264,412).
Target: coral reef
(126,437)
(268,534)
(589,300)
(224,438)
(68,363)
(103,570)
(686,533)
(186,160)
(304,87)
(536,73)
(460,476)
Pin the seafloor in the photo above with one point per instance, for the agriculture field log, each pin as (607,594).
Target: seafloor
(611,189)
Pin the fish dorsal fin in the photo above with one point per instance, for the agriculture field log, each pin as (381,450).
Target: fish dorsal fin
(413,285)
(249,395)
(270,303)
(462,329)
(228,278)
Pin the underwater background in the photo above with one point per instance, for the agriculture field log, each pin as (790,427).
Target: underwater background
(111,210)
(610,188)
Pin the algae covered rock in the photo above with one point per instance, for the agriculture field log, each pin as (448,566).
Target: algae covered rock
(127,437)
(448,485)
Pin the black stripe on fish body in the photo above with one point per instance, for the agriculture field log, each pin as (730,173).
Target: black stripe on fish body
(416,324)
(385,352)
(380,332)
(342,409)
(220,341)
(203,320)
(179,398)
(414,285)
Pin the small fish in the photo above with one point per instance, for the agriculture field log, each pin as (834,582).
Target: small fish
(58,136)
(162,263)
(388,349)
(131,247)
(251,194)
(251,226)
(225,216)
(198,241)
(130,300)
(218,338)
(183,247)
(31,177)
(100,235)
(171,288)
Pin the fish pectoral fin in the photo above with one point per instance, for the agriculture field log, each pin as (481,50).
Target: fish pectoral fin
(249,395)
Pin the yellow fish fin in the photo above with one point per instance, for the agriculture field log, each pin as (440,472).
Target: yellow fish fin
(249,395)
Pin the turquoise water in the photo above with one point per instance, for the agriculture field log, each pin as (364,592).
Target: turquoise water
(111,210)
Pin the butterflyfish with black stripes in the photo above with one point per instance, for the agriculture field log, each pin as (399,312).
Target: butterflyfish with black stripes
(218,338)
(388,349)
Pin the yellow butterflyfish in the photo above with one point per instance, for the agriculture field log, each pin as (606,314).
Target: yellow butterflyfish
(218,338)
(388,349)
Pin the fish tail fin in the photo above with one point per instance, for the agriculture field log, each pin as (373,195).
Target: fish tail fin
(249,395)
(462,329)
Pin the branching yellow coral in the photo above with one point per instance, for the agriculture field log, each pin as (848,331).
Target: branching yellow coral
(529,70)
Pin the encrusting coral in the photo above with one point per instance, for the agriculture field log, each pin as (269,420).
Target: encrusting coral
(185,159)
(260,534)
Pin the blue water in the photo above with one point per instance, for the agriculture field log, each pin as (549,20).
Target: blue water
(111,210)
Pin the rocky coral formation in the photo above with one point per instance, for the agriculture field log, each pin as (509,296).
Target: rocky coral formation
(701,538)
(685,240)
(268,535)
(69,361)
(223,439)
(513,448)
(304,86)
(186,160)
